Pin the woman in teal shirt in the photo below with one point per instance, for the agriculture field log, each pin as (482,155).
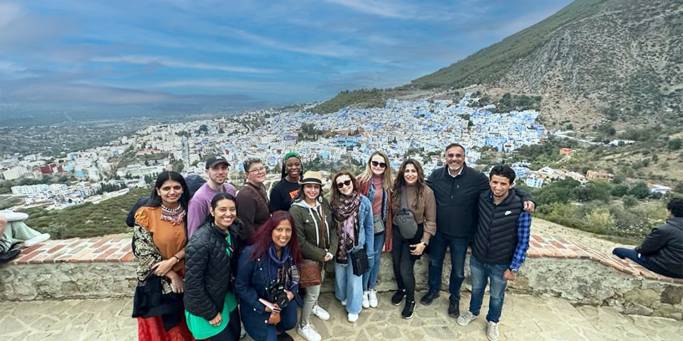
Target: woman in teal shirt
(211,260)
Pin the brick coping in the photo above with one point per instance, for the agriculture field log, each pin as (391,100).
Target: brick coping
(117,249)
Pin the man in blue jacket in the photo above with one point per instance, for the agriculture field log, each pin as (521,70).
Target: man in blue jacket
(456,188)
(662,249)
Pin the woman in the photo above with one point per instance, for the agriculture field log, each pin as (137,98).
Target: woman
(353,216)
(267,279)
(375,184)
(159,248)
(317,236)
(282,195)
(210,302)
(411,192)
(252,200)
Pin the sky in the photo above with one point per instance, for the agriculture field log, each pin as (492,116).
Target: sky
(151,57)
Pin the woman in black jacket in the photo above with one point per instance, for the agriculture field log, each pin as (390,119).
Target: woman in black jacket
(210,302)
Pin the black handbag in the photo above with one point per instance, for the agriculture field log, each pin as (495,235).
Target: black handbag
(359,261)
(404,219)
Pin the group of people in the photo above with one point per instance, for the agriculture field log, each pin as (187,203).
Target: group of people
(223,261)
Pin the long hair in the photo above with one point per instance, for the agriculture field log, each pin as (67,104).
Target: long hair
(155,199)
(283,171)
(367,173)
(400,182)
(336,194)
(214,203)
(263,238)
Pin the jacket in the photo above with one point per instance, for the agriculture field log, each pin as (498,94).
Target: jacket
(252,208)
(209,270)
(664,246)
(315,237)
(387,212)
(496,237)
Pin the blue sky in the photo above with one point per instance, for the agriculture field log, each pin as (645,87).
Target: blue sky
(204,56)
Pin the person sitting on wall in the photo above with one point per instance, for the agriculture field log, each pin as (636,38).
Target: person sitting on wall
(15,234)
(662,249)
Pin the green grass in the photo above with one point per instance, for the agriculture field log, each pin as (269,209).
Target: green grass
(87,220)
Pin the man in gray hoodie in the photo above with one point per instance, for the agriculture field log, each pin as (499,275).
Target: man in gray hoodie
(662,249)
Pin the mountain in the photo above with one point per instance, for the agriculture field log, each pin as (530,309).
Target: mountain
(617,59)
(595,62)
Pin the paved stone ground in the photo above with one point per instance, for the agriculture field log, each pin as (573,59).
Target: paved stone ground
(524,318)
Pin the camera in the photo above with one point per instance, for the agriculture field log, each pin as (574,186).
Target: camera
(277,295)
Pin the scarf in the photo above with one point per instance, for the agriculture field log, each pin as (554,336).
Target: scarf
(346,212)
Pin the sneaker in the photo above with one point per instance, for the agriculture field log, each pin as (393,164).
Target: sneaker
(429,297)
(454,308)
(343,303)
(352,317)
(9,255)
(366,299)
(308,333)
(373,298)
(37,239)
(466,318)
(320,312)
(492,332)
(408,309)
(397,297)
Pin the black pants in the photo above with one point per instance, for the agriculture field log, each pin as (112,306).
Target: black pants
(404,262)
(232,330)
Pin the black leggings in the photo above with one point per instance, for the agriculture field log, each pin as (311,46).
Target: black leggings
(232,330)
(404,262)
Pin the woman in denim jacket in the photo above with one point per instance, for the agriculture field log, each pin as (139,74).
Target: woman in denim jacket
(353,216)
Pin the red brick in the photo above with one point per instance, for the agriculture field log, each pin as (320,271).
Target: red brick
(558,245)
(104,256)
(56,248)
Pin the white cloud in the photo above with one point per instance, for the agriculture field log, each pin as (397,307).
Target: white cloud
(326,50)
(379,8)
(174,63)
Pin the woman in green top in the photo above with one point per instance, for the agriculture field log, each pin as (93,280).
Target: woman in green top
(210,303)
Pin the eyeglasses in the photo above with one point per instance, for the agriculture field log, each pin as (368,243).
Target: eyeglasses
(341,184)
(258,170)
(379,164)
(454,155)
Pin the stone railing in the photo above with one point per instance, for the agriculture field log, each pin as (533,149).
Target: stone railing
(104,267)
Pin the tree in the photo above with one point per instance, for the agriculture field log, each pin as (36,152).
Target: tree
(675,144)
(640,190)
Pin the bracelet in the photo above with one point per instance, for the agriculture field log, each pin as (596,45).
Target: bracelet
(177,258)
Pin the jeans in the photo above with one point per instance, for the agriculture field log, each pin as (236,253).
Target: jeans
(258,330)
(631,254)
(437,252)
(310,300)
(404,262)
(370,277)
(481,274)
(349,287)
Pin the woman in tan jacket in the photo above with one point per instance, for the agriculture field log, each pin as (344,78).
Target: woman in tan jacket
(411,192)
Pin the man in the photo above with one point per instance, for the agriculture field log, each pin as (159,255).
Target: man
(662,249)
(217,168)
(499,249)
(456,188)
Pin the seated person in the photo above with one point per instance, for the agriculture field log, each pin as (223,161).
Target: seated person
(662,249)
(14,234)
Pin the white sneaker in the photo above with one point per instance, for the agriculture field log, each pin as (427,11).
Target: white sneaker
(466,318)
(373,298)
(37,239)
(343,303)
(308,333)
(352,317)
(320,312)
(366,299)
(492,332)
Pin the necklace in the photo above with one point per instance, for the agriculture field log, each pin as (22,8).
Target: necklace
(173,215)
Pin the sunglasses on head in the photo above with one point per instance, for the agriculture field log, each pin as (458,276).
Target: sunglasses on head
(378,164)
(341,184)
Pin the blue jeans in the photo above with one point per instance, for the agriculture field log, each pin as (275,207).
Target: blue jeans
(631,254)
(349,287)
(437,252)
(370,277)
(481,274)
(258,330)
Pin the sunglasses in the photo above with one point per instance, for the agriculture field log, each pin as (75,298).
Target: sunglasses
(379,164)
(341,184)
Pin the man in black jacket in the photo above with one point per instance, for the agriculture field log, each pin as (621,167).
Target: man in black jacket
(456,188)
(662,249)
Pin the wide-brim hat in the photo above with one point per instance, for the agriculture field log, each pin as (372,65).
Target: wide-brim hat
(312,177)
